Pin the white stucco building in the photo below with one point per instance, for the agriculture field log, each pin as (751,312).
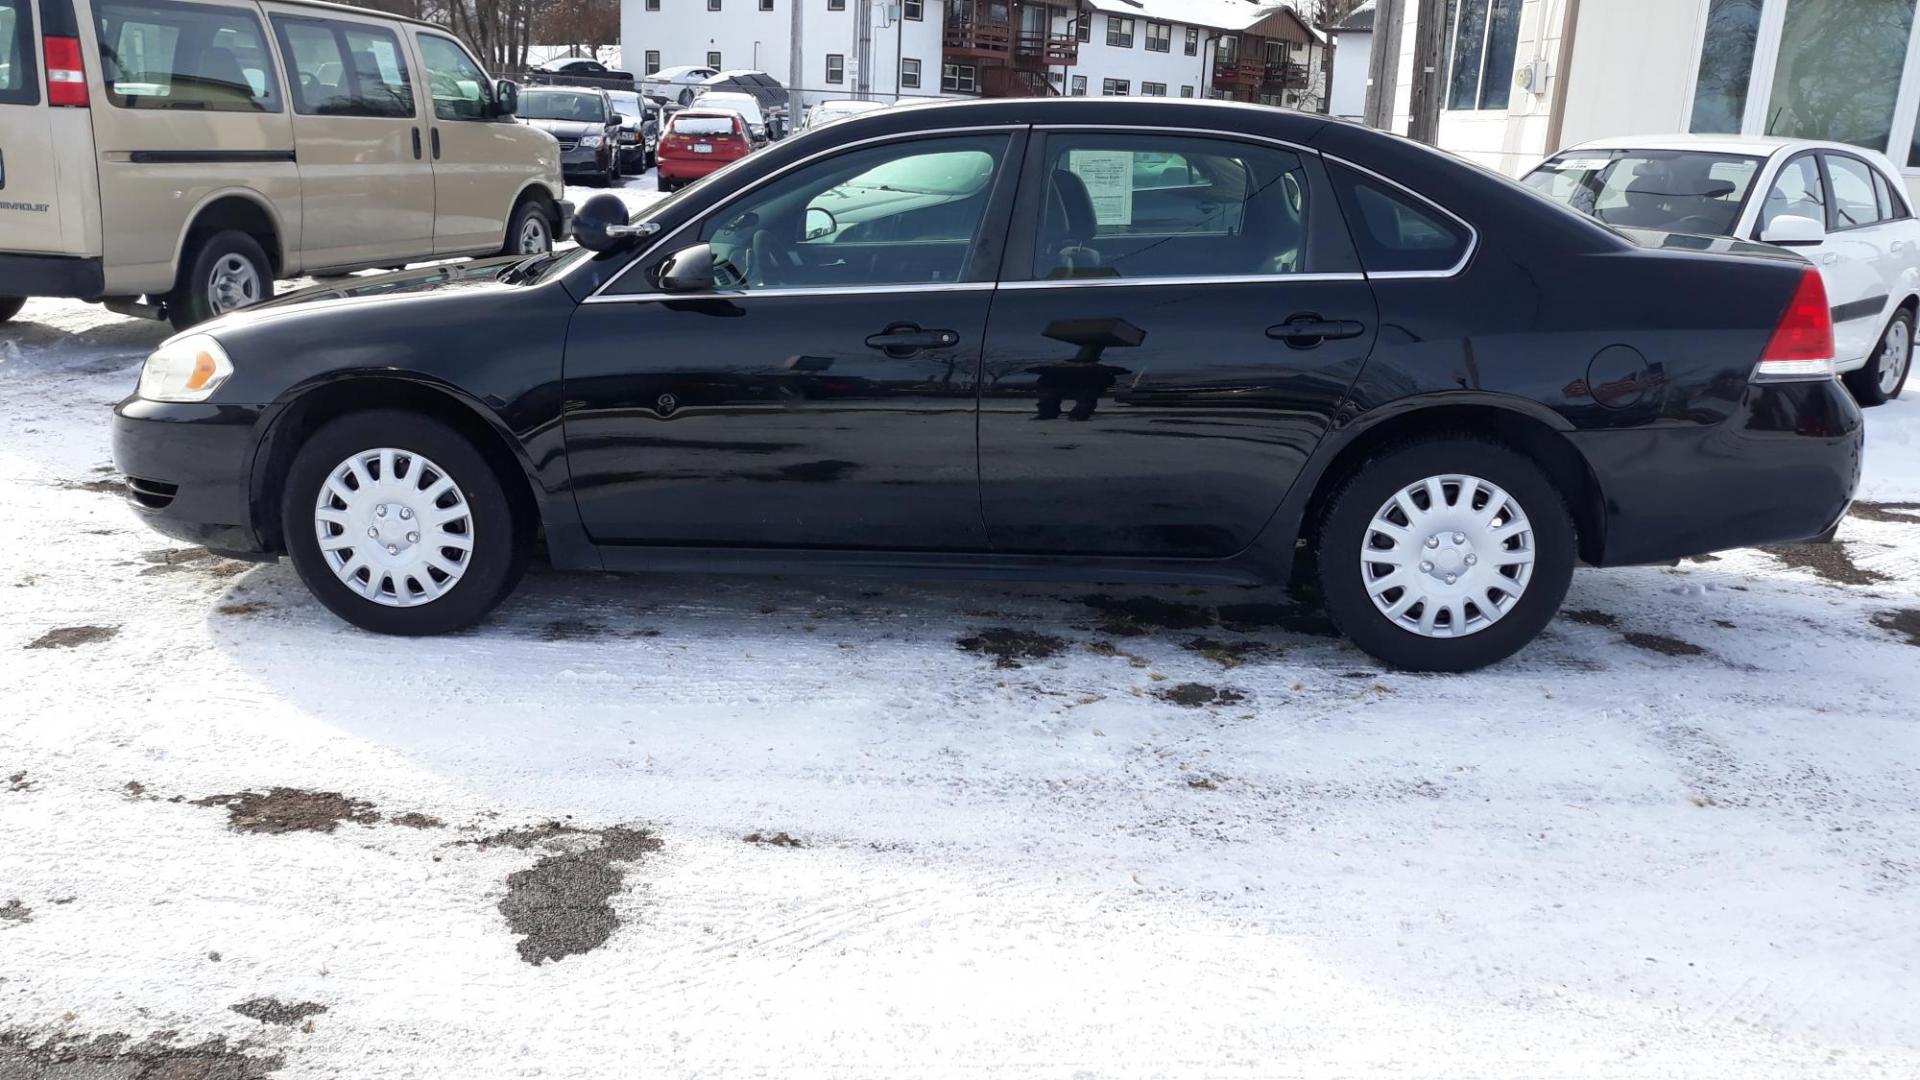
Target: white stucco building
(1352,62)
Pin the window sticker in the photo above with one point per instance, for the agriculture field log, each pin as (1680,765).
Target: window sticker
(1108,175)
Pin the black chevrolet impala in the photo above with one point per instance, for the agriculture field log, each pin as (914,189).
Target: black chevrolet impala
(1120,341)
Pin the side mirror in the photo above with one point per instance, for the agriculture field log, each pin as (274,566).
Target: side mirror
(820,222)
(1792,230)
(506,97)
(616,120)
(601,225)
(687,270)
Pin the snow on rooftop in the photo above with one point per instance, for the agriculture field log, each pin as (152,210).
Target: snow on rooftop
(1219,14)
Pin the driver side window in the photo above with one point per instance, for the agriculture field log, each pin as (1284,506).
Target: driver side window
(902,214)
(1798,192)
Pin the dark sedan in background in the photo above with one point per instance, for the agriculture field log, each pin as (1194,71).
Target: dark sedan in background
(1101,340)
(584,121)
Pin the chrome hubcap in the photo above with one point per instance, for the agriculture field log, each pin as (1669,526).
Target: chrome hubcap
(1895,354)
(233,283)
(394,527)
(1447,556)
(533,236)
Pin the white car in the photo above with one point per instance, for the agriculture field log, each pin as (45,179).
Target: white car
(681,84)
(839,109)
(1844,208)
(746,105)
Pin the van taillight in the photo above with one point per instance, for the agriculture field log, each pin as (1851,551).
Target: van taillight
(1801,348)
(66,76)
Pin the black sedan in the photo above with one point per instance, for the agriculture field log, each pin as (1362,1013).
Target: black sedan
(1106,340)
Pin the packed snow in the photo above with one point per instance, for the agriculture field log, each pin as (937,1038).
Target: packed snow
(856,828)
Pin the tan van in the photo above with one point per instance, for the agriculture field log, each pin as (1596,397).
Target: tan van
(174,157)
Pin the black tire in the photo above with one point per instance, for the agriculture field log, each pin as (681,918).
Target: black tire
(686,97)
(529,209)
(500,545)
(191,302)
(1347,524)
(663,183)
(1864,383)
(10,306)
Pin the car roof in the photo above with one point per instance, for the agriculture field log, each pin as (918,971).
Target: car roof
(346,9)
(1761,146)
(571,89)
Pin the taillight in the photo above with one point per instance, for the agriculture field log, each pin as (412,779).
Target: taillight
(1801,348)
(66,76)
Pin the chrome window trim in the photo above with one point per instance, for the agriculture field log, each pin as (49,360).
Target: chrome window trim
(641,256)
(832,290)
(1473,234)
(1198,279)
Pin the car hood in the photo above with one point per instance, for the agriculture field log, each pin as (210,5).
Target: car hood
(1712,245)
(571,129)
(421,279)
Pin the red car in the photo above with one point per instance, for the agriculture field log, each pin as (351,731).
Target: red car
(697,142)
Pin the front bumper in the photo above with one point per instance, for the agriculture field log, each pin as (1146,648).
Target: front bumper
(189,471)
(1782,469)
(52,275)
(581,159)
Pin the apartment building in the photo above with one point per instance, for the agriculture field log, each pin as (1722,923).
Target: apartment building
(1238,49)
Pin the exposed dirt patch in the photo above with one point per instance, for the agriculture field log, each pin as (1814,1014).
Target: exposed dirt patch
(19,782)
(250,607)
(572,630)
(283,810)
(560,906)
(106,485)
(1829,562)
(274,1011)
(1590,617)
(1293,618)
(118,1057)
(134,789)
(1230,654)
(1901,513)
(16,912)
(69,637)
(414,819)
(1133,616)
(1662,644)
(1903,621)
(165,561)
(1108,648)
(1194,695)
(1008,646)
(778,839)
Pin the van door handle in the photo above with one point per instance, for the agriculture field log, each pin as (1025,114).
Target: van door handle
(416,144)
(1306,331)
(436,144)
(902,340)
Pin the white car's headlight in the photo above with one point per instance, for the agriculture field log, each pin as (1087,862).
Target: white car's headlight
(185,369)
(589,141)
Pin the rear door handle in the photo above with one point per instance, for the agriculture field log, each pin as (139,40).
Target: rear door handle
(1306,331)
(436,144)
(416,144)
(902,340)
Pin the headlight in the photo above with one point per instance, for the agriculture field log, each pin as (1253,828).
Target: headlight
(589,141)
(185,369)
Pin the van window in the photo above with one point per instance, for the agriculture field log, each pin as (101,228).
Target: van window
(19,82)
(345,69)
(457,85)
(156,54)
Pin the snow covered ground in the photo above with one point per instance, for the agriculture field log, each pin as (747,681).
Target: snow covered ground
(804,831)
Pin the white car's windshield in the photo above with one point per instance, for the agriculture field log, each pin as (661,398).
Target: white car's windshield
(1693,191)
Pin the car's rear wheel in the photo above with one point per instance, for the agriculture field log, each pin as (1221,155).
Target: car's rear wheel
(530,232)
(10,306)
(398,524)
(1885,375)
(663,183)
(1447,554)
(225,272)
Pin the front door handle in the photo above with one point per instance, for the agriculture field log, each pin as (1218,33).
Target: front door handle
(1306,331)
(436,144)
(1830,258)
(902,340)
(416,144)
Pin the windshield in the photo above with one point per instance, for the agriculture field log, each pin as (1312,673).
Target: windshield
(1691,191)
(624,103)
(562,105)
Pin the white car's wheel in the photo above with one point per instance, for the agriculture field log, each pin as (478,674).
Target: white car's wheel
(1885,375)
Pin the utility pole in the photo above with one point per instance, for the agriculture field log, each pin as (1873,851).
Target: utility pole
(1429,47)
(1383,64)
(863,48)
(796,66)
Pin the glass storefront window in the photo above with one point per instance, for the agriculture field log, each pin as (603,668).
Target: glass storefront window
(1726,67)
(1839,70)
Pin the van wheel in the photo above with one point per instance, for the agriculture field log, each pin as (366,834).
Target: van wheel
(10,306)
(530,232)
(227,272)
(398,524)
(1886,374)
(1446,554)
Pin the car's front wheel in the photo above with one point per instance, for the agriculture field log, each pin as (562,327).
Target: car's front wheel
(10,306)
(1446,554)
(1885,374)
(399,525)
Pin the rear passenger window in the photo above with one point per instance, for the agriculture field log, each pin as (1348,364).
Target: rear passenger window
(19,82)
(1854,201)
(1148,206)
(156,54)
(345,69)
(1396,232)
(1892,206)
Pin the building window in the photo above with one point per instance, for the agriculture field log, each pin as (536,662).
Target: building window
(713,5)
(1159,37)
(1119,32)
(653,61)
(1113,87)
(836,5)
(914,9)
(1193,41)
(1838,72)
(836,68)
(1726,67)
(1079,86)
(1083,25)
(766,5)
(653,5)
(1486,33)
(909,73)
(713,58)
(960,78)
(1153,89)
(1186,91)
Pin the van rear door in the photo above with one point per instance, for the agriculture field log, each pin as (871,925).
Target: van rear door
(30,214)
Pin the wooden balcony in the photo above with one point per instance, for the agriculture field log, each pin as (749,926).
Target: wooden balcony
(1239,72)
(977,40)
(1006,82)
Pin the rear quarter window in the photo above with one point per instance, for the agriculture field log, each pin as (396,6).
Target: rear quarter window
(155,54)
(1395,232)
(19,79)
